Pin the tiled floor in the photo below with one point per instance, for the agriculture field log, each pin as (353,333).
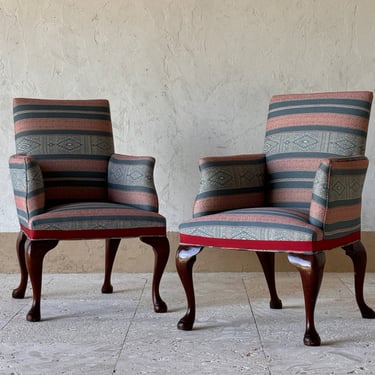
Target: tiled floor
(86,332)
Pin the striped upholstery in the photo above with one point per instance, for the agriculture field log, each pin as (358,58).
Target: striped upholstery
(28,187)
(337,195)
(69,184)
(304,128)
(315,169)
(71,140)
(131,181)
(230,182)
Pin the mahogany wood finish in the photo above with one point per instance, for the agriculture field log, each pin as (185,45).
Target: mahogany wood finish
(267,260)
(311,269)
(19,292)
(35,252)
(160,246)
(31,255)
(357,253)
(185,259)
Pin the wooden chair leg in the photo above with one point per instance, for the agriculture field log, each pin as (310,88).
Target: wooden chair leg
(160,246)
(19,292)
(311,269)
(357,253)
(267,260)
(111,247)
(185,259)
(35,252)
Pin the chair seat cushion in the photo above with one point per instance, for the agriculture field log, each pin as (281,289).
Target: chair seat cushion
(265,228)
(95,220)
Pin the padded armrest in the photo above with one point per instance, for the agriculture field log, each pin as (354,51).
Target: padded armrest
(230,182)
(337,195)
(131,181)
(28,187)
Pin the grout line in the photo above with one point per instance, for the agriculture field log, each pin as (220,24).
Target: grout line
(256,326)
(130,325)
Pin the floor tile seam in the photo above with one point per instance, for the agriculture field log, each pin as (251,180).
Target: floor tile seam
(257,328)
(123,344)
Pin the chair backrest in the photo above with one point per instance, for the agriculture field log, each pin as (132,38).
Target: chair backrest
(71,140)
(302,129)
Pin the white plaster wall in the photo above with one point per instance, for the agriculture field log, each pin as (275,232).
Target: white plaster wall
(185,78)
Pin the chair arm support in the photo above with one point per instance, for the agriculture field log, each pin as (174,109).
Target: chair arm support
(131,181)
(337,194)
(28,187)
(230,182)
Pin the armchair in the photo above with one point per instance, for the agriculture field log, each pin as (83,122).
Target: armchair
(302,196)
(69,185)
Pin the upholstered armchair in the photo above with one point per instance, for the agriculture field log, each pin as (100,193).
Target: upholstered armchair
(70,185)
(302,196)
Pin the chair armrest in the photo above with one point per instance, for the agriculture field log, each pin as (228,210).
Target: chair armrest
(337,194)
(230,182)
(28,187)
(131,181)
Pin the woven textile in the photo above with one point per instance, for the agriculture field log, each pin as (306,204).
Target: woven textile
(71,141)
(314,168)
(230,182)
(131,181)
(68,182)
(304,128)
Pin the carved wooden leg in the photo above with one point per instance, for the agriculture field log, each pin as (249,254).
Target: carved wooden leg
(311,269)
(35,252)
(357,253)
(185,259)
(111,246)
(19,292)
(267,260)
(160,246)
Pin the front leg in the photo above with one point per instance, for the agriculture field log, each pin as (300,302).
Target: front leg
(19,292)
(35,252)
(357,253)
(160,246)
(111,247)
(185,259)
(311,269)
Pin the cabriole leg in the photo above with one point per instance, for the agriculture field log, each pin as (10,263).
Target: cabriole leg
(160,246)
(311,269)
(19,292)
(111,247)
(357,253)
(35,252)
(185,259)
(267,260)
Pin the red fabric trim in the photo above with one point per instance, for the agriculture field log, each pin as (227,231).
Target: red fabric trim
(92,233)
(289,246)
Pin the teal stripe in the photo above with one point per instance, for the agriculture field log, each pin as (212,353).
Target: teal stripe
(62,107)
(269,211)
(342,225)
(338,110)
(292,184)
(70,115)
(78,174)
(316,222)
(44,132)
(302,155)
(235,163)
(142,189)
(333,101)
(344,202)
(292,174)
(343,172)
(225,192)
(295,205)
(79,157)
(321,201)
(132,162)
(117,217)
(317,128)
(30,194)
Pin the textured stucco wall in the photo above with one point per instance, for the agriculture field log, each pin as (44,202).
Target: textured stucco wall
(185,78)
